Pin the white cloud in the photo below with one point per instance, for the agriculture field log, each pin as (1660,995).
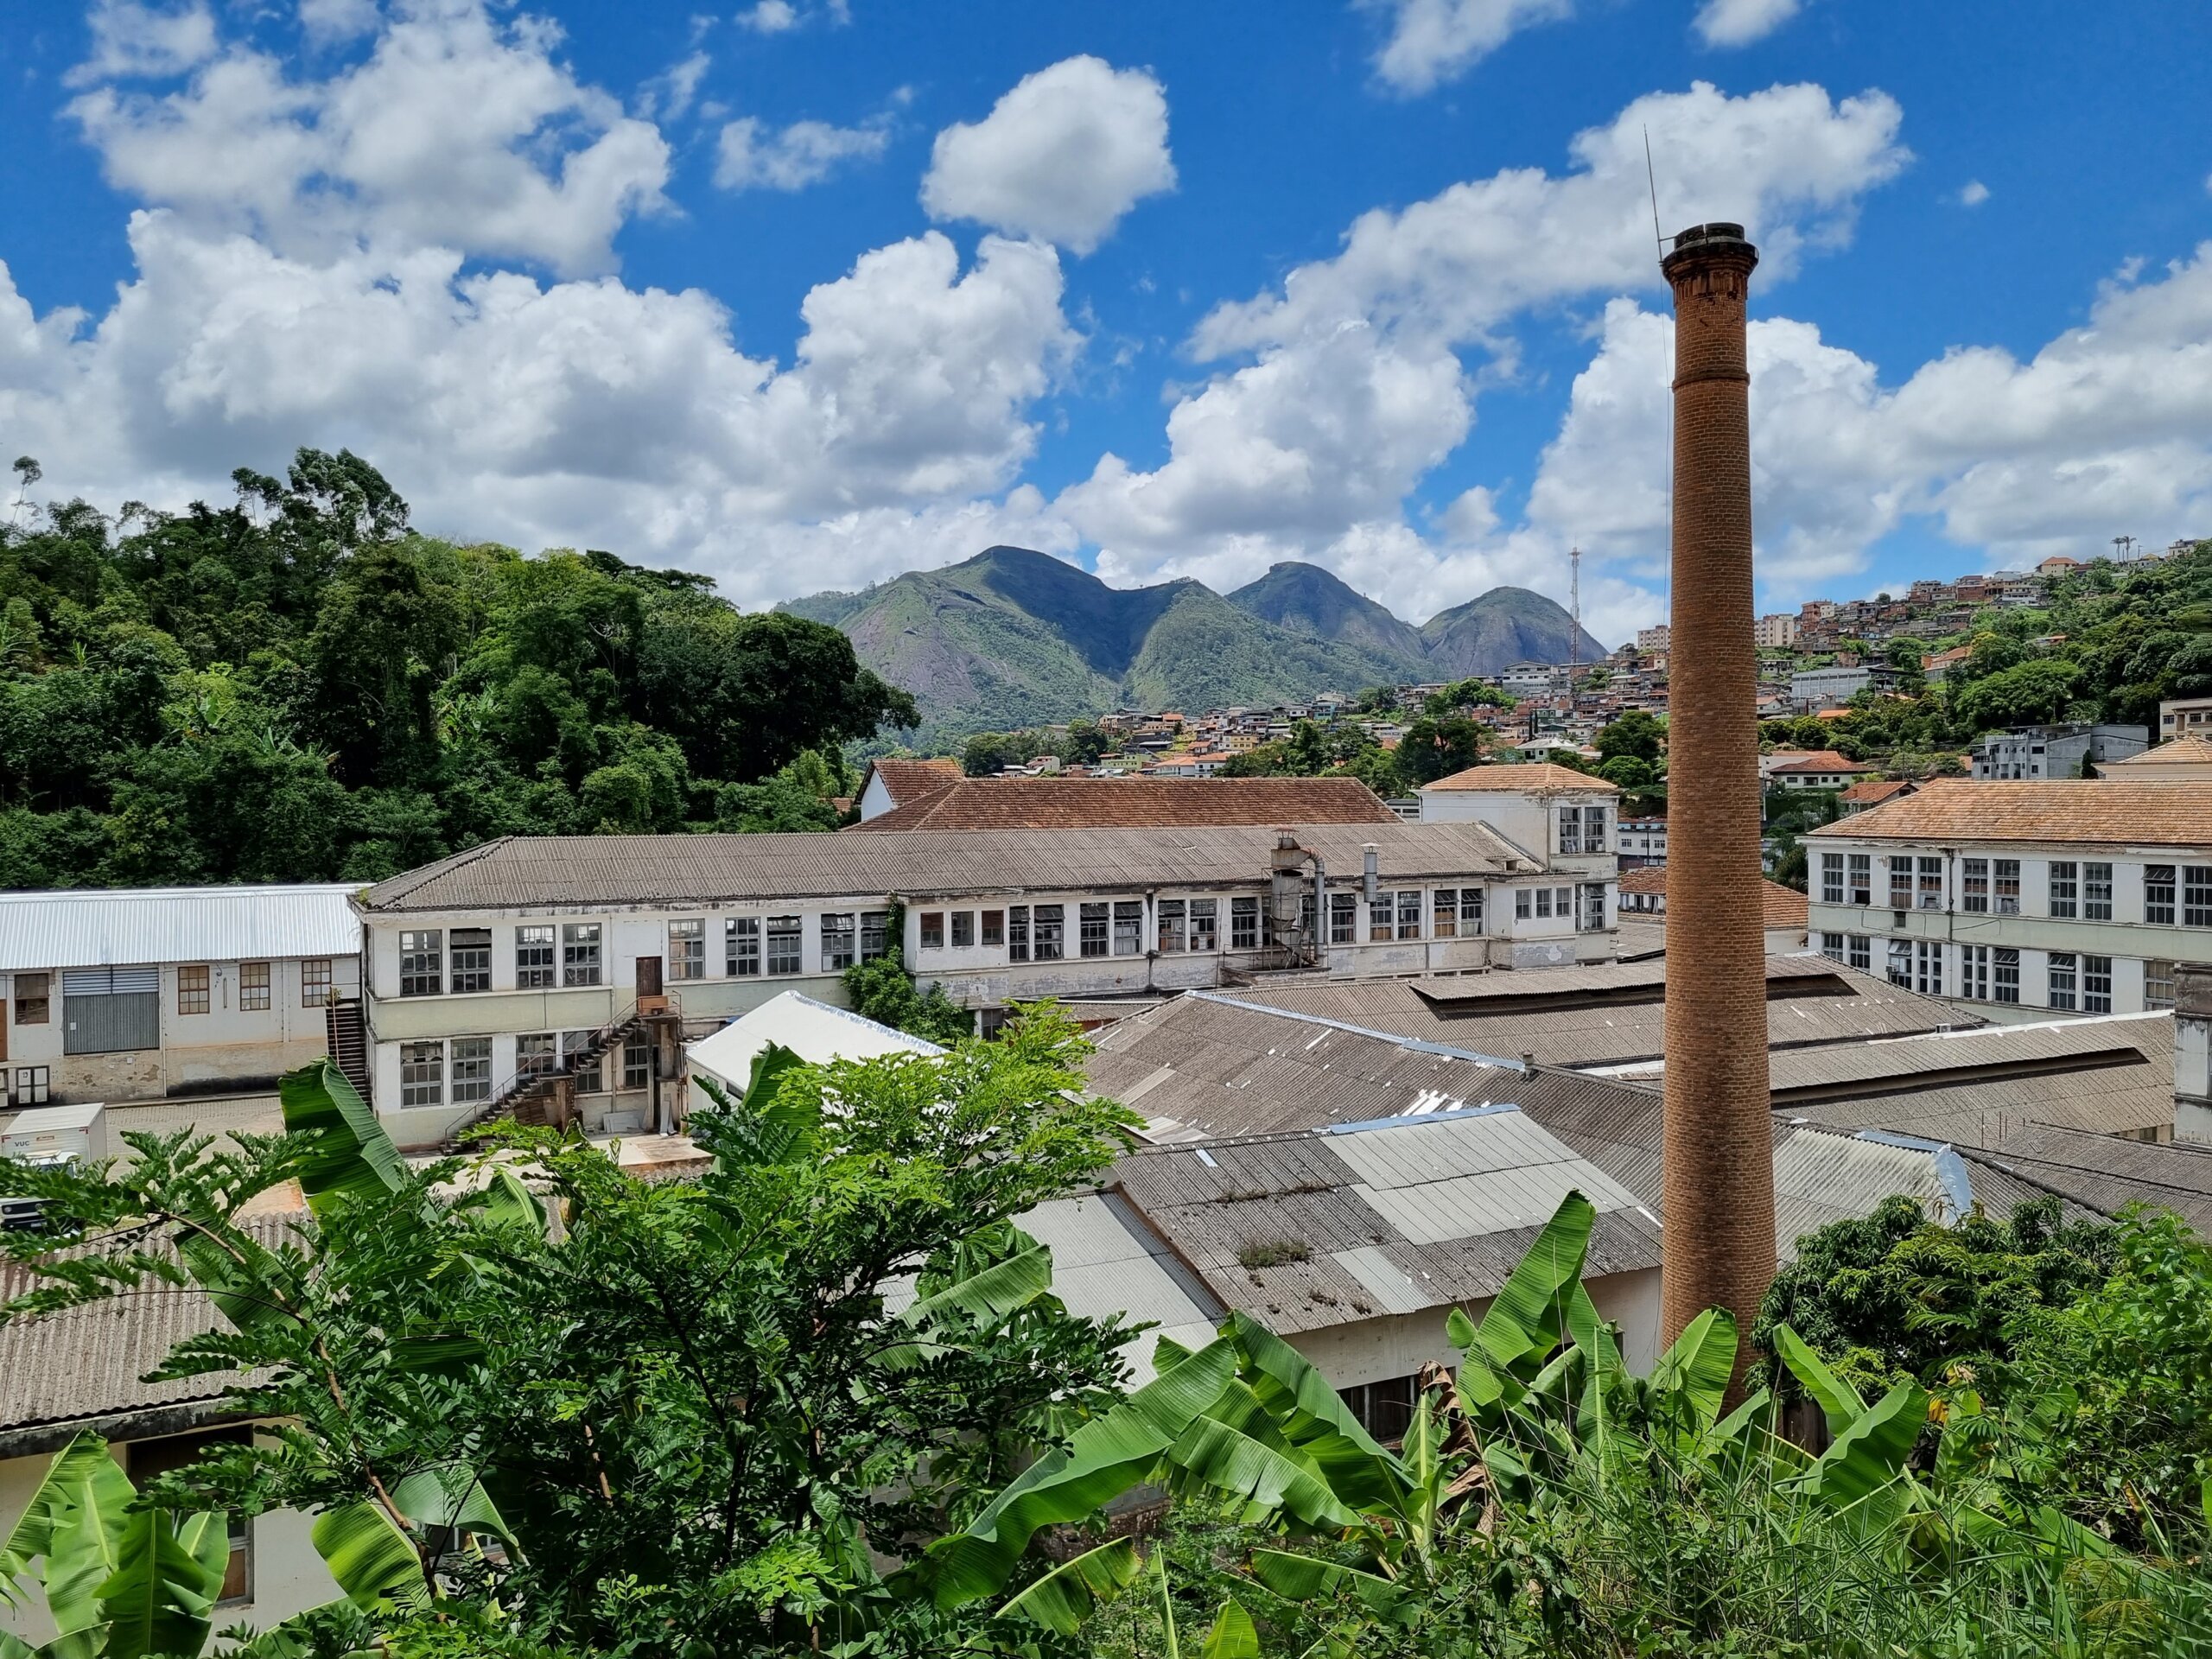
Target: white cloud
(2107,428)
(1738,23)
(750,157)
(1061,158)
(1974,195)
(329,22)
(578,412)
(1434,41)
(769,17)
(141,42)
(668,95)
(457,131)
(1358,389)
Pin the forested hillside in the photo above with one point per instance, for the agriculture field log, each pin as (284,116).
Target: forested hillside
(300,687)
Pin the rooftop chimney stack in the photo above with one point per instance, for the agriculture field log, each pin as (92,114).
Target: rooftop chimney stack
(1718,1178)
(2192,1053)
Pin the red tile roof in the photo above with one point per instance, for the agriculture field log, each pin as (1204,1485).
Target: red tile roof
(2111,811)
(1871,791)
(1527,777)
(1135,803)
(909,780)
(1779,907)
(1818,761)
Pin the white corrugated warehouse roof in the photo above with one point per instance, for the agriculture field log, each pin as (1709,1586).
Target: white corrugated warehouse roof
(108,927)
(816,1032)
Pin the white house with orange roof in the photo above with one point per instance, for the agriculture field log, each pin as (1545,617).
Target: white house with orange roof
(1566,822)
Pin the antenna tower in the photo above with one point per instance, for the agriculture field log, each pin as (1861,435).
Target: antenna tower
(1574,611)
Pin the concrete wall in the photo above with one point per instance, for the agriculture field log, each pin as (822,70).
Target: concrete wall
(1398,1345)
(284,1575)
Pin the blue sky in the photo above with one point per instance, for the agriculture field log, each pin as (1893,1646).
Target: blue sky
(803,293)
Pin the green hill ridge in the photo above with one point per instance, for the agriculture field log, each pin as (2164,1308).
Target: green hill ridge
(1014,637)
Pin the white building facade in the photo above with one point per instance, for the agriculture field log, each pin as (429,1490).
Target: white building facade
(117,994)
(1565,823)
(2065,897)
(502,961)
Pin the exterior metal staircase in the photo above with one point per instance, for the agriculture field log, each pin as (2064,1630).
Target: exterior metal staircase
(346,1041)
(527,1096)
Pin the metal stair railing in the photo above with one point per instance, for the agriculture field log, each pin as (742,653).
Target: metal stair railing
(528,1080)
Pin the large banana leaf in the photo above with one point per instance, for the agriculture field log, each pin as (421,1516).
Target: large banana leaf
(1104,1457)
(450,1494)
(763,1128)
(982,1297)
(1302,1578)
(1694,1371)
(84,1461)
(1063,1599)
(161,1594)
(352,1155)
(1840,1401)
(1233,1636)
(83,1550)
(1314,1417)
(1602,1371)
(1868,1456)
(1528,1317)
(238,1275)
(374,1562)
(1231,1457)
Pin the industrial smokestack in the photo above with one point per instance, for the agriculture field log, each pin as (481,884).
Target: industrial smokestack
(1719,1179)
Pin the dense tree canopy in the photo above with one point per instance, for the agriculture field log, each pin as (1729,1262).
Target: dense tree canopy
(299,687)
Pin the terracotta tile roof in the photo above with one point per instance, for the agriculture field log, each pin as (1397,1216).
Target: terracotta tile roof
(1820,760)
(2104,810)
(1134,804)
(1527,777)
(909,780)
(2191,749)
(1780,906)
(1871,791)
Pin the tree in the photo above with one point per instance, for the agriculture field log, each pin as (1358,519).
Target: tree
(1633,735)
(2024,695)
(1434,748)
(690,1415)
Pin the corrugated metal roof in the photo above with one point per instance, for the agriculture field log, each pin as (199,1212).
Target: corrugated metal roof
(816,1032)
(2105,1172)
(78,1366)
(2103,1099)
(96,927)
(522,872)
(1414,1215)
(1809,1001)
(2072,1045)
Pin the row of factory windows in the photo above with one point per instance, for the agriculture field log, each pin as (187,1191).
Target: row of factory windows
(34,993)
(2075,889)
(438,961)
(1116,928)
(458,1071)
(2074,982)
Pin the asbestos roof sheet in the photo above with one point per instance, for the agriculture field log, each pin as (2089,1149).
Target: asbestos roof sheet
(1386,1219)
(2102,1099)
(106,927)
(1986,1053)
(1106,1260)
(980,804)
(2131,811)
(1809,1001)
(520,872)
(816,1032)
(69,1369)
(2105,1172)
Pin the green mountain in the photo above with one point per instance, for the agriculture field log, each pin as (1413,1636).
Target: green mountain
(1504,626)
(1011,638)
(1306,599)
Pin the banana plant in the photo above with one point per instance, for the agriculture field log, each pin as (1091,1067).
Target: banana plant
(120,1582)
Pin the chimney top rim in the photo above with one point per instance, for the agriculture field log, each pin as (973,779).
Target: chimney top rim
(1717,240)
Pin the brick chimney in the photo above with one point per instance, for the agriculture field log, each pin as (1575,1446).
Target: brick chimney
(1718,1178)
(2192,1053)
